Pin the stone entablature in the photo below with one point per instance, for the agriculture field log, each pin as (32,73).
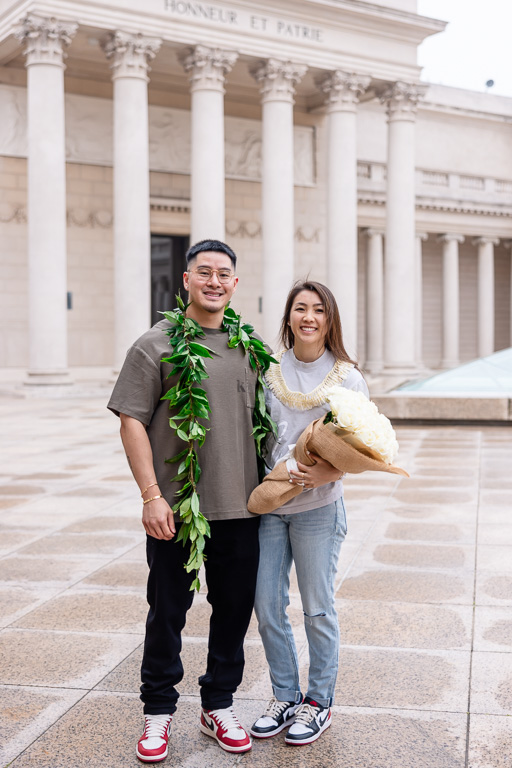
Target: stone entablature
(439,190)
(328,36)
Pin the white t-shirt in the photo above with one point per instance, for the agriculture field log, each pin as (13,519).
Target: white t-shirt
(291,422)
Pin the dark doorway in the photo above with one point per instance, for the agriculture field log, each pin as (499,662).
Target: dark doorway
(167,267)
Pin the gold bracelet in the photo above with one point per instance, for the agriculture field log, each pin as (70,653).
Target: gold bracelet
(145,489)
(152,499)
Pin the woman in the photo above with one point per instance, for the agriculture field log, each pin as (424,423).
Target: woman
(310,528)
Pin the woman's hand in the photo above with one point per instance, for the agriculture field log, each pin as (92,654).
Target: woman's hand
(319,474)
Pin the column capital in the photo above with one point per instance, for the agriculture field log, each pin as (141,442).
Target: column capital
(372,232)
(208,67)
(450,237)
(402,100)
(422,236)
(46,37)
(343,89)
(486,241)
(131,54)
(278,78)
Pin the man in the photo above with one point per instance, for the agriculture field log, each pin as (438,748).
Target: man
(228,476)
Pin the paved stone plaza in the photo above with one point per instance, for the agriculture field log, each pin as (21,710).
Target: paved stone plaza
(424,598)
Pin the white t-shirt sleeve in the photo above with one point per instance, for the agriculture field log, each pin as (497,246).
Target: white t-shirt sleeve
(355,381)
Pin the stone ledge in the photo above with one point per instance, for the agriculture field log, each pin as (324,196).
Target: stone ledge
(445,408)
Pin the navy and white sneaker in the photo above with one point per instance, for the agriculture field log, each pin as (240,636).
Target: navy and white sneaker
(277,716)
(311,720)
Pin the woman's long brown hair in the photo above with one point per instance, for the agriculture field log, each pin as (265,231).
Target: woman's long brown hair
(334,335)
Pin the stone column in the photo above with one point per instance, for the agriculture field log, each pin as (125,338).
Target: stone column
(485,294)
(399,275)
(374,301)
(277,80)
(343,91)
(418,293)
(451,333)
(45,40)
(508,244)
(131,54)
(208,68)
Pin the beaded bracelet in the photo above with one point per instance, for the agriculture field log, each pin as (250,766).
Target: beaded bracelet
(152,499)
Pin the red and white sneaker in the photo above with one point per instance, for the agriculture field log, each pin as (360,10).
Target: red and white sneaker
(152,746)
(223,725)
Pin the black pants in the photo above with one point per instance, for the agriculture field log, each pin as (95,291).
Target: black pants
(231,566)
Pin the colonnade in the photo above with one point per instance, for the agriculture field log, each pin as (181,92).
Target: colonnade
(392,292)
(485,309)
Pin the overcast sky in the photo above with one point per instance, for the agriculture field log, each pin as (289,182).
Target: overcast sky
(475,47)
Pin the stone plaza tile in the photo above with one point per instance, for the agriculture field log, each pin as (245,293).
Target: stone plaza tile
(10,540)
(84,611)
(490,741)
(413,586)
(135,554)
(411,530)
(26,712)
(42,570)
(255,683)
(369,738)
(82,545)
(104,523)
(60,659)
(102,740)
(464,515)
(493,629)
(493,558)
(493,588)
(491,683)
(405,679)
(490,534)
(16,601)
(495,498)
(432,495)
(418,555)
(404,625)
(119,574)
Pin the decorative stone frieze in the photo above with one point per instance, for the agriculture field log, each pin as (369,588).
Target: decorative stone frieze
(45,38)
(402,100)
(208,67)
(131,54)
(343,89)
(278,79)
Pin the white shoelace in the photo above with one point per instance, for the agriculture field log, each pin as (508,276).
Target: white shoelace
(156,726)
(305,714)
(275,708)
(226,717)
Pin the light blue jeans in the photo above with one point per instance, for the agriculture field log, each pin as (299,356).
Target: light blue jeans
(312,540)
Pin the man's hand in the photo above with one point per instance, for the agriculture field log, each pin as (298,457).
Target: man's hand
(319,474)
(158,519)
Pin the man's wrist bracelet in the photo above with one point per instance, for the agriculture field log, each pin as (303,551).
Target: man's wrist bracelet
(146,489)
(146,501)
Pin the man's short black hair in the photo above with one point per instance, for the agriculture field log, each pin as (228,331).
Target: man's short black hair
(210,245)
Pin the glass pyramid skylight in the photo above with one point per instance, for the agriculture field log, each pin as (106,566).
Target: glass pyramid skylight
(490,375)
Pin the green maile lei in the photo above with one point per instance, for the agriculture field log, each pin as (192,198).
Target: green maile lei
(191,404)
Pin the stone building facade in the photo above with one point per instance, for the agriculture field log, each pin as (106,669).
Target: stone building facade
(297,131)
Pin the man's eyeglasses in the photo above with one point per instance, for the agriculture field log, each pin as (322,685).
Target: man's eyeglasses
(203,274)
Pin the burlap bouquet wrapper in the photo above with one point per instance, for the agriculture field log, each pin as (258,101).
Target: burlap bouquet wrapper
(338,446)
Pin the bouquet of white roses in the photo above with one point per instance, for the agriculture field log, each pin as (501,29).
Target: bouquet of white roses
(354,437)
(365,428)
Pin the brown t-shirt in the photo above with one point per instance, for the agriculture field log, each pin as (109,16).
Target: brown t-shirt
(228,456)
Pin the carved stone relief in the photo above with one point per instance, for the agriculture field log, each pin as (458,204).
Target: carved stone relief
(89,137)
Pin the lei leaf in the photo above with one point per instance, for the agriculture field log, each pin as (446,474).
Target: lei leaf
(190,402)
